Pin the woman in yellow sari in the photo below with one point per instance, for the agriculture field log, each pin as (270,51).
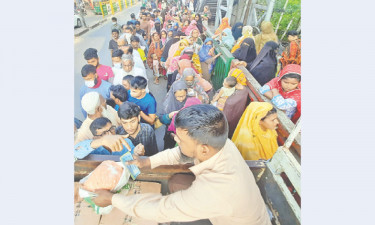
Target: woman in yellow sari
(255,135)
(247,32)
(195,58)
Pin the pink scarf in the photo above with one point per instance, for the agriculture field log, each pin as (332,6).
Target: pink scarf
(189,102)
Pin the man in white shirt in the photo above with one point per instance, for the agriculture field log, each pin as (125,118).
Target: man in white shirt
(224,190)
(95,106)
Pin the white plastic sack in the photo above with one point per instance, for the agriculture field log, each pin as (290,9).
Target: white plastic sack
(88,194)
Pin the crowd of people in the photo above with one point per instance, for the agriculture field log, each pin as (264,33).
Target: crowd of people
(215,129)
(170,39)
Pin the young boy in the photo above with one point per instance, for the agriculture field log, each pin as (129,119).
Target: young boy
(134,40)
(155,68)
(126,80)
(115,25)
(92,58)
(229,87)
(113,42)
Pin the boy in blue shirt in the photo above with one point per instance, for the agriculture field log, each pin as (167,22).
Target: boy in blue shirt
(137,94)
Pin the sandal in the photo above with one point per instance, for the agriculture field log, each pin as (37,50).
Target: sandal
(165,77)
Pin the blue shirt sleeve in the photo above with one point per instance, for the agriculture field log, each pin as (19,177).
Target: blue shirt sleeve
(164,119)
(82,149)
(283,104)
(151,108)
(264,89)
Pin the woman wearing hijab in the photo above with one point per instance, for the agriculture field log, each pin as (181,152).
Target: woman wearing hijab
(285,91)
(192,80)
(227,38)
(246,52)
(192,26)
(198,18)
(181,66)
(173,101)
(236,104)
(237,30)
(164,37)
(247,32)
(175,39)
(264,66)
(207,58)
(224,24)
(255,135)
(267,34)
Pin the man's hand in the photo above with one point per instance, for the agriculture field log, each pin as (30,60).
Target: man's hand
(103,199)
(140,162)
(111,142)
(139,149)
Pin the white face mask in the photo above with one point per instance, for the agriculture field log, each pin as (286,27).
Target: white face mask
(117,65)
(90,83)
(114,23)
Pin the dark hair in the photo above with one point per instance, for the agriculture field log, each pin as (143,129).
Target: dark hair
(132,16)
(144,14)
(130,49)
(129,23)
(156,10)
(87,69)
(232,81)
(90,53)
(114,19)
(115,30)
(111,102)
(138,82)
(128,110)
(153,16)
(292,75)
(98,123)
(119,91)
(142,7)
(205,123)
(134,38)
(129,28)
(137,23)
(117,53)
(272,111)
(292,33)
(128,78)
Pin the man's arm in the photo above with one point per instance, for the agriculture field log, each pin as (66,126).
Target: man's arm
(150,119)
(200,201)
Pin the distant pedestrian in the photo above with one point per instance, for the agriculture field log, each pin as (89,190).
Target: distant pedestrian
(115,25)
(113,42)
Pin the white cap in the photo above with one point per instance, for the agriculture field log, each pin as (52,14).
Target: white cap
(90,102)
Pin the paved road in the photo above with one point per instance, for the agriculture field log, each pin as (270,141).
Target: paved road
(99,38)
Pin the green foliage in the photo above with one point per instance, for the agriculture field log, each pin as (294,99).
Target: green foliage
(292,11)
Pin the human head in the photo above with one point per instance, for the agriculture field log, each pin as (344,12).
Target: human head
(102,126)
(195,33)
(116,58)
(230,82)
(137,25)
(154,56)
(164,34)
(143,9)
(129,114)
(206,8)
(266,27)
(134,40)
(170,33)
(156,37)
(201,131)
(121,43)
(126,80)
(138,87)
(144,16)
(182,65)
(91,56)
(128,30)
(114,20)
(91,103)
(118,93)
(88,73)
(152,17)
(115,34)
(127,63)
(186,23)
(189,77)
(292,35)
(270,121)
(197,17)
(290,81)
(132,16)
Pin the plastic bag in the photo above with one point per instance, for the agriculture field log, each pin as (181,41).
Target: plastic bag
(87,195)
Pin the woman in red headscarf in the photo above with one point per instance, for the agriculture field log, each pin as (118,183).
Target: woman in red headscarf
(285,91)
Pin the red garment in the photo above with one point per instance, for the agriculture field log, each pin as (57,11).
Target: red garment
(98,84)
(275,83)
(184,56)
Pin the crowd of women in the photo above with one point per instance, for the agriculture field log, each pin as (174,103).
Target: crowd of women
(177,48)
